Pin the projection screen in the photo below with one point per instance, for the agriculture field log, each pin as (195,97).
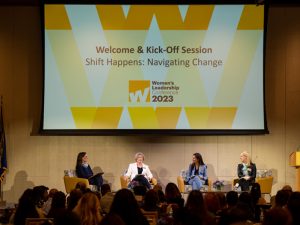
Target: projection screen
(174,69)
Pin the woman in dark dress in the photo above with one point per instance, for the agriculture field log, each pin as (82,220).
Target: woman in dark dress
(83,170)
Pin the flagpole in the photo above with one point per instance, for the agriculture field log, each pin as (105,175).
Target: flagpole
(1,190)
(1,194)
(2,203)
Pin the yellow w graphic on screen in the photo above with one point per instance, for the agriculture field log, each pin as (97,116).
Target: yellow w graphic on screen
(139,91)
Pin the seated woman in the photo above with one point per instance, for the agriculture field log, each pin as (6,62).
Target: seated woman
(197,172)
(83,170)
(139,172)
(246,171)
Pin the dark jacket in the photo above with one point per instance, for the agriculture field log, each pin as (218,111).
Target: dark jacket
(84,172)
(251,171)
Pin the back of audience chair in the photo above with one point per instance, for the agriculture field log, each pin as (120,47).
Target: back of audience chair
(152,217)
(39,221)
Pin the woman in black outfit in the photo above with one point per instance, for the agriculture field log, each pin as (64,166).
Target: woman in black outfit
(246,171)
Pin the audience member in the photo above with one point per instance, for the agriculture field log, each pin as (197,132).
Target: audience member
(40,195)
(173,195)
(294,207)
(47,205)
(257,200)
(282,198)
(58,206)
(160,193)
(26,208)
(69,218)
(112,219)
(151,201)
(232,198)
(277,216)
(287,188)
(126,206)
(212,203)
(106,199)
(240,213)
(82,187)
(73,198)
(194,211)
(88,209)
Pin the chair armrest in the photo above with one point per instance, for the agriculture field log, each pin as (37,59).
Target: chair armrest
(209,183)
(153,181)
(234,182)
(124,181)
(180,183)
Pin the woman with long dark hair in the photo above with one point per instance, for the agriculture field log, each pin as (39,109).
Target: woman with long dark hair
(197,172)
(83,170)
(26,208)
(126,206)
(194,211)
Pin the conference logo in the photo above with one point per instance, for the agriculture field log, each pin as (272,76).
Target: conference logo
(139,91)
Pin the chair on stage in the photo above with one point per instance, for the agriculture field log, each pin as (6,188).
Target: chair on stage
(183,186)
(71,181)
(125,181)
(39,221)
(264,178)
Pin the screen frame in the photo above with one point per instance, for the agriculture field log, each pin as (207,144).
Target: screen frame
(152,132)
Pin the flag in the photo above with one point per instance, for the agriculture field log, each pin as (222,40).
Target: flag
(3,166)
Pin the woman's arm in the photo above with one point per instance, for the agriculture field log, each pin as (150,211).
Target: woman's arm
(252,174)
(80,172)
(204,172)
(129,172)
(188,173)
(147,173)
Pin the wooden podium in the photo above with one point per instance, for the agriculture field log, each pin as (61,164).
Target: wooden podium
(295,162)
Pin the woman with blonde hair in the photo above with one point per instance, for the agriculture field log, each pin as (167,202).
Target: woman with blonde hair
(88,209)
(246,171)
(139,172)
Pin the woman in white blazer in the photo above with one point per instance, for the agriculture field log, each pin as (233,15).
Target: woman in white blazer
(139,171)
